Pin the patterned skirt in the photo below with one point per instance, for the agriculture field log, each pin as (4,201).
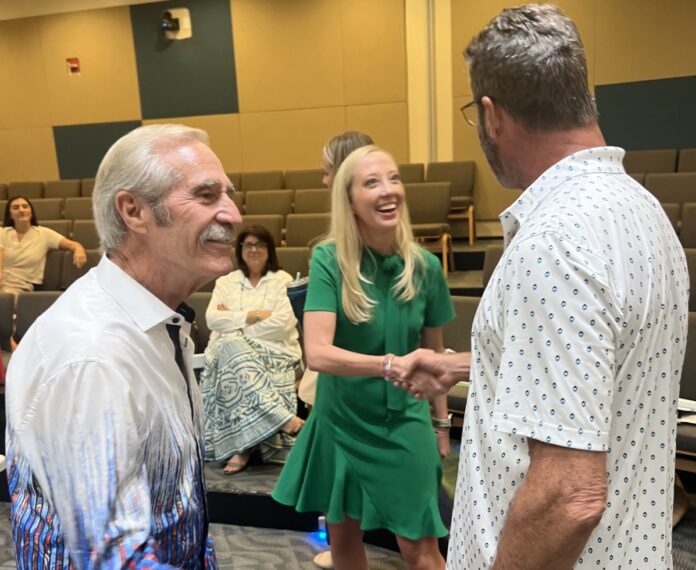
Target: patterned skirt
(248,395)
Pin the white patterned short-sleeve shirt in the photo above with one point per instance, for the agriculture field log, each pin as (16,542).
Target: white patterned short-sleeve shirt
(578,342)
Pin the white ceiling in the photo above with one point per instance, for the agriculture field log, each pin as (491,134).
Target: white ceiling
(12,9)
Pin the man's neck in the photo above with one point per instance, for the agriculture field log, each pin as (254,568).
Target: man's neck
(538,152)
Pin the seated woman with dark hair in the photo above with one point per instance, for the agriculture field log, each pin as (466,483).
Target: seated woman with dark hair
(24,245)
(248,383)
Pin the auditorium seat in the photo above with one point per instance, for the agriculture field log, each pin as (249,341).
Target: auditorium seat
(62,189)
(687,233)
(86,187)
(31,305)
(294,260)
(52,271)
(490,261)
(78,208)
(305,229)
(85,232)
(678,187)
(687,160)
(272,222)
(238,199)
(6,324)
(686,433)
(673,211)
(691,263)
(460,175)
(63,227)
(269,202)
(650,161)
(200,333)
(3,191)
(31,190)
(48,208)
(266,180)
(312,201)
(410,173)
(69,273)
(428,205)
(638,177)
(236,179)
(298,179)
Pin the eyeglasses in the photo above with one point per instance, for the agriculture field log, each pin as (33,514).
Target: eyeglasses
(470,112)
(257,245)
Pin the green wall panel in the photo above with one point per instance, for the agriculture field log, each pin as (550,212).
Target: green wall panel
(649,114)
(80,148)
(181,78)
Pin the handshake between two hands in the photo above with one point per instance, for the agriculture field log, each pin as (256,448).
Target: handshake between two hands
(426,374)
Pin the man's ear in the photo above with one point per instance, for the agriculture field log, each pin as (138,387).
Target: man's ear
(136,215)
(492,118)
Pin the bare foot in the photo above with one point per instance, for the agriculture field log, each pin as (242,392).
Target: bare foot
(236,463)
(292,426)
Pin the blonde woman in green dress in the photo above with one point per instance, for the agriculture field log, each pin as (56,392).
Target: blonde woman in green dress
(368,454)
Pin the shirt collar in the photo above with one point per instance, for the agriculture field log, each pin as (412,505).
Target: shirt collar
(608,159)
(146,310)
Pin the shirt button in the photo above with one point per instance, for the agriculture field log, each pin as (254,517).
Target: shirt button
(176,320)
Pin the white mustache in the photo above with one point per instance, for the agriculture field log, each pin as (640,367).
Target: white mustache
(218,232)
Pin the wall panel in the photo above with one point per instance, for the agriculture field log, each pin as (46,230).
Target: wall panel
(27,154)
(387,124)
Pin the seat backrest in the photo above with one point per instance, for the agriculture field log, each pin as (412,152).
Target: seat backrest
(78,208)
(490,261)
(673,211)
(295,179)
(638,176)
(410,173)
(305,229)
(236,179)
(457,333)
(690,254)
(677,187)
(48,208)
(85,232)
(460,174)
(312,201)
(269,202)
(687,234)
(69,273)
(272,222)
(199,302)
(266,180)
(30,305)
(53,270)
(687,160)
(294,260)
(86,186)
(62,189)
(428,202)
(3,191)
(238,199)
(31,190)
(687,388)
(7,301)
(63,227)
(649,161)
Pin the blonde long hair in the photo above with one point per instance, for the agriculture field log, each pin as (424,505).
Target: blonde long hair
(344,232)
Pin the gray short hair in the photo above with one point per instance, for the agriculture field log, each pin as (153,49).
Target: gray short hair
(530,59)
(134,163)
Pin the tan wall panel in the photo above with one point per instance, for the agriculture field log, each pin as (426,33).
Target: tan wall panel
(639,40)
(288,54)
(224,133)
(374,54)
(23,95)
(106,90)
(288,139)
(27,154)
(387,124)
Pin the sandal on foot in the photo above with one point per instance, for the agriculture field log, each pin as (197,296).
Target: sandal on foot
(236,463)
(292,426)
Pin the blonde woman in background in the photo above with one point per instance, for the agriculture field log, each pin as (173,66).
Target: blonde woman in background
(368,454)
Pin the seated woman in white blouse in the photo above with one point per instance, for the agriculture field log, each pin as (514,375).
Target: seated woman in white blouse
(24,245)
(248,383)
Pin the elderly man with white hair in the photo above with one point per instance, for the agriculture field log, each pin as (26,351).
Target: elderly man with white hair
(105,447)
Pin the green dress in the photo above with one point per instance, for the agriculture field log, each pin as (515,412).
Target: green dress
(368,450)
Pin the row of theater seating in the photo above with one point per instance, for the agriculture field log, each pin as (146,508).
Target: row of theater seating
(662,160)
